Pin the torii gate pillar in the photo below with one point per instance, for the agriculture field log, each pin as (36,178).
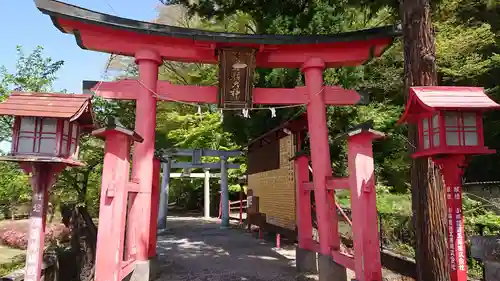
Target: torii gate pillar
(148,62)
(322,170)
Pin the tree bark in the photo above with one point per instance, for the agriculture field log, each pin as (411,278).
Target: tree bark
(428,189)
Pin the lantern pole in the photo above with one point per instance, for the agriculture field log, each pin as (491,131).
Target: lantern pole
(43,176)
(452,169)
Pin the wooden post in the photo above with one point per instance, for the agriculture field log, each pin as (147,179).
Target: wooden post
(142,162)
(322,170)
(155,198)
(428,193)
(451,167)
(165,183)
(241,205)
(320,150)
(206,194)
(303,202)
(367,262)
(43,176)
(224,192)
(306,260)
(220,205)
(113,202)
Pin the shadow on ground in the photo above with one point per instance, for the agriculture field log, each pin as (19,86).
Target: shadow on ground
(194,249)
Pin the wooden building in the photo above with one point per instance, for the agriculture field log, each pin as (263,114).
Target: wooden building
(271,177)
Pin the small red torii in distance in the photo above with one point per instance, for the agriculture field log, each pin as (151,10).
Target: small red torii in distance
(127,89)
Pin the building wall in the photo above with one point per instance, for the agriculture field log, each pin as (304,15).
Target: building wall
(276,188)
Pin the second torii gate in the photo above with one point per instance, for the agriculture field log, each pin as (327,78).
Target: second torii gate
(196,154)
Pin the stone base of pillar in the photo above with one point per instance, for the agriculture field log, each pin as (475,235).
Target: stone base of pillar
(306,261)
(162,231)
(224,223)
(329,270)
(161,226)
(145,270)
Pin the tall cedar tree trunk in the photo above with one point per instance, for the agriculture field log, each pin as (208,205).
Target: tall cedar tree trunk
(428,189)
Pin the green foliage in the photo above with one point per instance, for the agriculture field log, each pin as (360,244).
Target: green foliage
(34,73)
(14,187)
(17,263)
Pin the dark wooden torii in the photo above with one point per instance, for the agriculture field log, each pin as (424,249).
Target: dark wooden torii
(195,163)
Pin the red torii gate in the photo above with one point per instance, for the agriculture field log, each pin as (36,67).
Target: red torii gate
(150,44)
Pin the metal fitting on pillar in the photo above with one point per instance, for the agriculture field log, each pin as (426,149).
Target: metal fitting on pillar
(317,63)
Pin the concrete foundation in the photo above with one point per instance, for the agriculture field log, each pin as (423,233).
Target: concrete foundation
(145,270)
(306,261)
(329,270)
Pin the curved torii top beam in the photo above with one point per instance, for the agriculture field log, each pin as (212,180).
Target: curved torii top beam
(106,33)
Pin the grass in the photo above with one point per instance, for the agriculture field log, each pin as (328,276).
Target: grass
(7,254)
(14,263)
(386,202)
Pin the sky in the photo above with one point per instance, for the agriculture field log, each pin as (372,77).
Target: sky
(23,24)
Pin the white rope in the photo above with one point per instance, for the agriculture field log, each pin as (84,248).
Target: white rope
(161,97)
(245,111)
(104,73)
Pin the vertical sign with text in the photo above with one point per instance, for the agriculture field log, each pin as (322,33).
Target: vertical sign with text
(456,245)
(36,236)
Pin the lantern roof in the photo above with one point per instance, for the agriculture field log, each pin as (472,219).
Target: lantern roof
(428,99)
(114,124)
(111,34)
(51,105)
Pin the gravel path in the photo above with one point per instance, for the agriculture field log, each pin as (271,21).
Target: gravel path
(199,250)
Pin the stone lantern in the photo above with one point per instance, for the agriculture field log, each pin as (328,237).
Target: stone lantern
(450,130)
(45,140)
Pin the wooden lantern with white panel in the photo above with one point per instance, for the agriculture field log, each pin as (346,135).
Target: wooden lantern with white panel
(47,127)
(449,119)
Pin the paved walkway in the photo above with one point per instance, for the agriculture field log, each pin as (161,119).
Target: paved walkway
(198,250)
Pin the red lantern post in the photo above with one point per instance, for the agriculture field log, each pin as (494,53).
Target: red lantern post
(449,121)
(45,139)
